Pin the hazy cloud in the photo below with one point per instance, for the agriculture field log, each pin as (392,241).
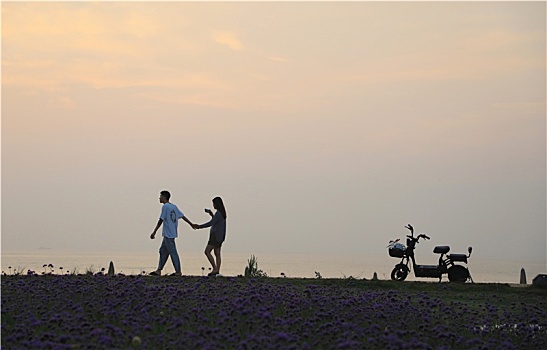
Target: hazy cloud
(278,59)
(228,39)
(346,120)
(62,102)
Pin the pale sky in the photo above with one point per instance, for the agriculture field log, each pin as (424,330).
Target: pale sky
(325,127)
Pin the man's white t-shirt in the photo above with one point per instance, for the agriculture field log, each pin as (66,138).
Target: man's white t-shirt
(170,215)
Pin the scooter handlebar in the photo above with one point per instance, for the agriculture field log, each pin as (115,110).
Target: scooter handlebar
(421,235)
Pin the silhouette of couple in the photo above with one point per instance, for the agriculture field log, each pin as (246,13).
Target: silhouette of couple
(169,217)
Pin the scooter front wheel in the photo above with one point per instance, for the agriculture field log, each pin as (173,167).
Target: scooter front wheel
(399,272)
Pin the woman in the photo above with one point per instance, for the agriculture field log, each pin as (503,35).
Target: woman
(216,235)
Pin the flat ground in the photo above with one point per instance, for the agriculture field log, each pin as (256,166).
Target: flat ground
(267,313)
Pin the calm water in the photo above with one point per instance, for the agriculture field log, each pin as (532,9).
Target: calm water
(293,265)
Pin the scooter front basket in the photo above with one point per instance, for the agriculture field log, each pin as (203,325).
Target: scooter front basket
(396,252)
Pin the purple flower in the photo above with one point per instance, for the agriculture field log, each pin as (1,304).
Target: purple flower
(281,336)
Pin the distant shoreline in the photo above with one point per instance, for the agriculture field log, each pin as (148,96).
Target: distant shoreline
(482,269)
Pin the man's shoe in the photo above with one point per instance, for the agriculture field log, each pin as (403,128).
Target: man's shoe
(212,273)
(155,273)
(176,274)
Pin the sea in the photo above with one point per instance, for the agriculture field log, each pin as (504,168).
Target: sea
(483,270)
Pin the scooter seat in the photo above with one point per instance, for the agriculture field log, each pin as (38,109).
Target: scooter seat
(441,249)
(457,257)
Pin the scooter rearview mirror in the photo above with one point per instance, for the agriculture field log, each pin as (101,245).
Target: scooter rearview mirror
(470,249)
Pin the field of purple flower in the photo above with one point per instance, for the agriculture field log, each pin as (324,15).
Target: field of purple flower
(127,312)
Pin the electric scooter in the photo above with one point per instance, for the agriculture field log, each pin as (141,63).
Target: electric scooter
(456,273)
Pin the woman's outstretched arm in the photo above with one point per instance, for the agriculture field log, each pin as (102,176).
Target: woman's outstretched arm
(213,221)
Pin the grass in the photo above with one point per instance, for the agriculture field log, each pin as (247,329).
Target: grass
(201,312)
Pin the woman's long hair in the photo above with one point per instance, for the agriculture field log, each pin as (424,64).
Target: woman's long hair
(219,205)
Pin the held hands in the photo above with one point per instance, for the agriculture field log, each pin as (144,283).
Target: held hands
(196,226)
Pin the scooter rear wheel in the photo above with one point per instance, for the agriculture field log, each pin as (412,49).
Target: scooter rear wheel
(458,274)
(399,272)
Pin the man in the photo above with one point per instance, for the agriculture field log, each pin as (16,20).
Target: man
(169,217)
